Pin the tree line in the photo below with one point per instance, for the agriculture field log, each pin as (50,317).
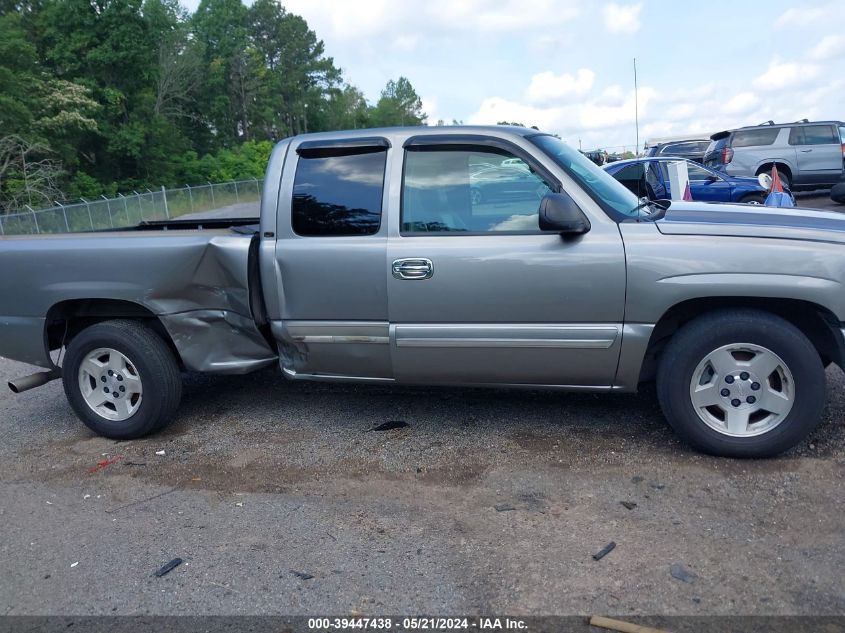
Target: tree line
(100,96)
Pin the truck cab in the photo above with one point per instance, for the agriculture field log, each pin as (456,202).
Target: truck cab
(421,280)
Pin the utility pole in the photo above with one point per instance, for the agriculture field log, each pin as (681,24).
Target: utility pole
(636,110)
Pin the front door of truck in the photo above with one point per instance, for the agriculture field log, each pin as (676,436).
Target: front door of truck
(330,255)
(478,294)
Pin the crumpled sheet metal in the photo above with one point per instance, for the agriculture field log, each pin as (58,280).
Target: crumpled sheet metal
(218,341)
(189,279)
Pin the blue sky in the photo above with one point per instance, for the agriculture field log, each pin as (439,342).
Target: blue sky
(567,65)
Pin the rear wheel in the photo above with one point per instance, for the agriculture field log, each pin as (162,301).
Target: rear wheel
(741,383)
(121,379)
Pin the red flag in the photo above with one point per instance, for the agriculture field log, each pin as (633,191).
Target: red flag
(777,187)
(687,193)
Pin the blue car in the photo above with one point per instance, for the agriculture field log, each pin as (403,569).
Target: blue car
(649,177)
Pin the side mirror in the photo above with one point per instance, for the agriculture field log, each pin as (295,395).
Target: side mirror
(559,212)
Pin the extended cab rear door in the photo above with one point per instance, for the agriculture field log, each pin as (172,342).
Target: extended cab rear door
(330,257)
(476,292)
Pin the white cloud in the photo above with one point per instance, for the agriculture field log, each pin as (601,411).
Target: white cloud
(356,21)
(741,103)
(619,18)
(786,75)
(546,87)
(828,47)
(495,109)
(807,15)
(597,116)
(429,106)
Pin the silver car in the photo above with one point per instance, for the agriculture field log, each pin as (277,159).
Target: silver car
(808,155)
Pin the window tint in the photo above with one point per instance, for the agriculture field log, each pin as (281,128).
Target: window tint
(469,190)
(796,136)
(819,135)
(759,136)
(687,147)
(338,194)
(641,179)
(599,185)
(698,173)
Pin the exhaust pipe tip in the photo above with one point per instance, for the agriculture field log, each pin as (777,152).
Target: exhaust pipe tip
(19,385)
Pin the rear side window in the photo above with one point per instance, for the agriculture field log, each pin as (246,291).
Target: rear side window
(750,138)
(687,147)
(815,135)
(338,194)
(717,145)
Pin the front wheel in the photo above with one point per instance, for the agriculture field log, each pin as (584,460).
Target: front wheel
(121,379)
(741,383)
(754,198)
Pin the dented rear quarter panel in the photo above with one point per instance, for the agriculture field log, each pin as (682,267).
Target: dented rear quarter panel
(195,281)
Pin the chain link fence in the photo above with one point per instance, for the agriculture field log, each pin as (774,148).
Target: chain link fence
(129,210)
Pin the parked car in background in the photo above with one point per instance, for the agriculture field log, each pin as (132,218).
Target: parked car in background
(649,177)
(689,148)
(514,162)
(598,156)
(508,182)
(808,155)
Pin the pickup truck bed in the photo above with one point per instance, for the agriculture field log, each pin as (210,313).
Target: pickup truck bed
(197,279)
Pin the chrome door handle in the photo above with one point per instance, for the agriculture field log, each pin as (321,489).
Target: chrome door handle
(412,268)
(804,151)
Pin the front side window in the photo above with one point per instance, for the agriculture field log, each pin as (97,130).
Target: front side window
(750,138)
(698,173)
(338,194)
(469,190)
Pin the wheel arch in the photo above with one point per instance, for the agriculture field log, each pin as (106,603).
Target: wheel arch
(783,167)
(817,323)
(66,319)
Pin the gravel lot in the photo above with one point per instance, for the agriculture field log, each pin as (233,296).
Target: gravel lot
(488,502)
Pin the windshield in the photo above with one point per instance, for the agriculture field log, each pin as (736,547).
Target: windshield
(608,193)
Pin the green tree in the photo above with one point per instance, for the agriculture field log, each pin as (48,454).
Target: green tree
(18,71)
(301,79)
(399,104)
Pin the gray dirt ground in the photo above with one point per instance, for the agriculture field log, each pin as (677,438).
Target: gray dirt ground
(262,477)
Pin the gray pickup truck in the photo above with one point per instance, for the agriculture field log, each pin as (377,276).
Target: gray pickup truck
(448,256)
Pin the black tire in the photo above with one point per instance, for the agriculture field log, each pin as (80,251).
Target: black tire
(156,367)
(837,193)
(753,198)
(698,338)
